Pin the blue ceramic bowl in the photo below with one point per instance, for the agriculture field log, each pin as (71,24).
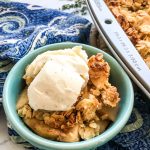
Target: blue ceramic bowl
(14,85)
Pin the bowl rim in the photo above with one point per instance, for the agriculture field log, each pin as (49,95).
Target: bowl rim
(46,143)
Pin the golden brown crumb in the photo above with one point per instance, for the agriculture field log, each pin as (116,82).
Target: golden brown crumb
(110,96)
(88,131)
(25,112)
(89,116)
(134,17)
(147,60)
(72,135)
(99,71)
(108,113)
(23,99)
(144,48)
(88,108)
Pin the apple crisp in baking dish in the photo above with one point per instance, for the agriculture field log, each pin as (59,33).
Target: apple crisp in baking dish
(134,17)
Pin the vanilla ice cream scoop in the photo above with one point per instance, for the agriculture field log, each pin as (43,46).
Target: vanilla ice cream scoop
(59,77)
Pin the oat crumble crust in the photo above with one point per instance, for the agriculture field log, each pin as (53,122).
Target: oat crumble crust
(96,107)
(134,17)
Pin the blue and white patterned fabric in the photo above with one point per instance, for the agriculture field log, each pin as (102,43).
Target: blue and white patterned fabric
(24,28)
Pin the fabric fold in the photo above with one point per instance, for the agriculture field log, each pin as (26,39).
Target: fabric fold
(24,28)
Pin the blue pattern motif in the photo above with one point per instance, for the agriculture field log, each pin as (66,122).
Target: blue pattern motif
(24,28)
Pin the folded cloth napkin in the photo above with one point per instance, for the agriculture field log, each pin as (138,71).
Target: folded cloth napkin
(24,28)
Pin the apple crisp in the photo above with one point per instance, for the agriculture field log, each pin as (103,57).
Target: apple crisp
(97,106)
(134,17)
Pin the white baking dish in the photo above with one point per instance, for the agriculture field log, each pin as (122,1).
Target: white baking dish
(119,44)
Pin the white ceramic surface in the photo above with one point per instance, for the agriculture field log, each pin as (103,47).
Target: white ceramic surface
(5,142)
